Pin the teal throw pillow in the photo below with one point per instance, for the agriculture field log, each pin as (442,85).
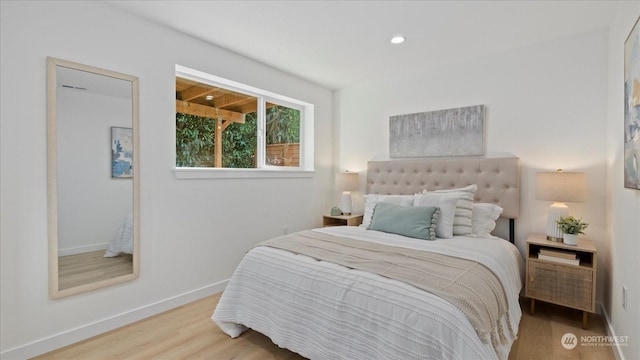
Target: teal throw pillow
(415,222)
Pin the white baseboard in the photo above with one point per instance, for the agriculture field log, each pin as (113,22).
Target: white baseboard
(99,327)
(617,352)
(82,249)
(599,308)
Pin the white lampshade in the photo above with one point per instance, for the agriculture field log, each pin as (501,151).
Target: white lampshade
(346,182)
(559,187)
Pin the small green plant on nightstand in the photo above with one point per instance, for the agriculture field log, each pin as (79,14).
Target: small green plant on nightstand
(571,225)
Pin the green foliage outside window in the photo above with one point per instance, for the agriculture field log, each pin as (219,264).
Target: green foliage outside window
(283,125)
(195,139)
(239,144)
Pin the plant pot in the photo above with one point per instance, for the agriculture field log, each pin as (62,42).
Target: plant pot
(570,239)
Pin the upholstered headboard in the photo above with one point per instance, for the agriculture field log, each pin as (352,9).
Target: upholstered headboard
(498,179)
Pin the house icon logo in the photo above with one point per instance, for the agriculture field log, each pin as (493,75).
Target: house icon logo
(569,341)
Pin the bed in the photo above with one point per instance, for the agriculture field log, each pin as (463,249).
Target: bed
(122,241)
(342,300)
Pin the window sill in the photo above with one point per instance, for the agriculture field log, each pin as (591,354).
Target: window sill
(208,173)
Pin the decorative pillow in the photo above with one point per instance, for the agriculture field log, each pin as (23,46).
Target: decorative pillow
(415,222)
(462,218)
(483,220)
(370,201)
(447,204)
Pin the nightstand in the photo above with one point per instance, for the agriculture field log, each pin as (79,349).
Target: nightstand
(341,220)
(556,280)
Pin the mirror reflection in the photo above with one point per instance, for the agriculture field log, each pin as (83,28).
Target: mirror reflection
(92,182)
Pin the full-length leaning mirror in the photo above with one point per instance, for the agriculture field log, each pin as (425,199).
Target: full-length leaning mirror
(93,177)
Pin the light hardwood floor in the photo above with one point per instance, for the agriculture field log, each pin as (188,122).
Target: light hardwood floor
(89,267)
(540,334)
(187,332)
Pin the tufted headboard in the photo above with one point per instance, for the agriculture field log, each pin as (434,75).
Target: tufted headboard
(498,179)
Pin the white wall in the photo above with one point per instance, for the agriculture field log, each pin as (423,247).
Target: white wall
(91,204)
(193,232)
(623,205)
(545,103)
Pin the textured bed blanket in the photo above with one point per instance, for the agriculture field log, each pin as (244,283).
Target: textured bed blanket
(467,284)
(325,311)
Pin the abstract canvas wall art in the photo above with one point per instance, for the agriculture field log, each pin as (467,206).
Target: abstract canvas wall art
(632,109)
(451,132)
(121,152)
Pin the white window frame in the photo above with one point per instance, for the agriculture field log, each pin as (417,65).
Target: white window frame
(263,170)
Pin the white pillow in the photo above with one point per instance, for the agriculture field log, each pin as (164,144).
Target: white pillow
(370,201)
(483,220)
(464,208)
(447,203)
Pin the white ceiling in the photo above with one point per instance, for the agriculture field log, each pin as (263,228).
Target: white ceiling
(342,43)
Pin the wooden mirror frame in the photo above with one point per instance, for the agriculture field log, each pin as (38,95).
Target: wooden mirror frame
(52,183)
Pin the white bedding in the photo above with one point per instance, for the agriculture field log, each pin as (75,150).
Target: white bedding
(326,311)
(122,242)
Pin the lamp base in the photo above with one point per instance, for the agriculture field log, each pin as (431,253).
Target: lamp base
(345,203)
(556,211)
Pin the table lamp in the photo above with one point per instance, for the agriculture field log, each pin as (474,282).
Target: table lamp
(559,187)
(346,182)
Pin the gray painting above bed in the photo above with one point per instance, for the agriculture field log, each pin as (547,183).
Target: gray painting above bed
(451,132)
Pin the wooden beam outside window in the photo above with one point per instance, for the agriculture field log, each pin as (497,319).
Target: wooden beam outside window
(217,157)
(185,107)
(194,92)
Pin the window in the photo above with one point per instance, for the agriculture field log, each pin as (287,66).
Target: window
(282,132)
(223,126)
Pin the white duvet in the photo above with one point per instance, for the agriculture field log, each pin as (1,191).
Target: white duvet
(122,242)
(326,311)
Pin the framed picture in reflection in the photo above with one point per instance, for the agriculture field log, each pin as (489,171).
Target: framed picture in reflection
(121,152)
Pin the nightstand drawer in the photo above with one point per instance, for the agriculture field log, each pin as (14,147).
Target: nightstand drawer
(561,284)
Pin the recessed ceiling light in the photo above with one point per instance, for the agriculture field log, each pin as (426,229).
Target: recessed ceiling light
(398,39)
(209,97)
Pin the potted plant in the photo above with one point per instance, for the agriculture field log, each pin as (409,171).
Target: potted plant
(571,228)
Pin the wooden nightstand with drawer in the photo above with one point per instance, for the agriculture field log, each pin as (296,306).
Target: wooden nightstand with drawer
(553,275)
(342,220)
